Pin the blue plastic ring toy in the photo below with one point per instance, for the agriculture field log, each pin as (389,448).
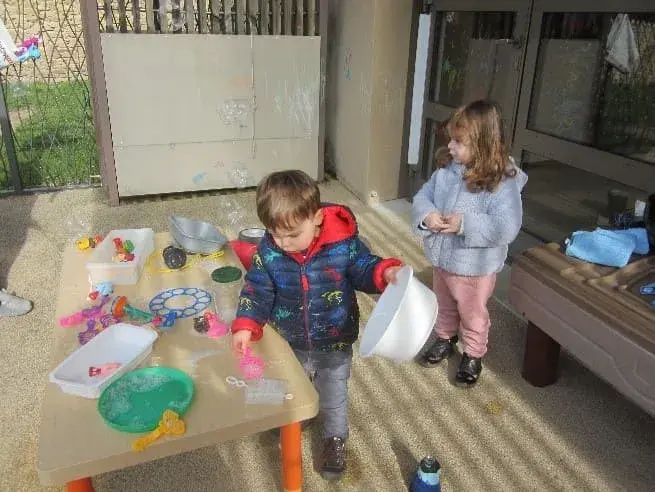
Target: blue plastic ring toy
(202,298)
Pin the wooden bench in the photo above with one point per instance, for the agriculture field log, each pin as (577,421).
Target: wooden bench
(594,312)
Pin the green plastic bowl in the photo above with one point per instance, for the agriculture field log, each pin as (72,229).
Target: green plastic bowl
(136,401)
(226,274)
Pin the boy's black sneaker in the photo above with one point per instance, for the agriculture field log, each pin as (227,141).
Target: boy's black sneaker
(440,350)
(333,460)
(468,371)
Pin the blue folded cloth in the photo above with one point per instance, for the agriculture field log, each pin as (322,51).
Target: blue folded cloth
(602,247)
(640,236)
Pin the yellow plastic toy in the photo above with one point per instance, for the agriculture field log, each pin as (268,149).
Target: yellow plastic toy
(87,242)
(192,259)
(84,243)
(170,424)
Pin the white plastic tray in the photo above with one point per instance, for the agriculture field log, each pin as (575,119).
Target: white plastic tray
(102,268)
(124,343)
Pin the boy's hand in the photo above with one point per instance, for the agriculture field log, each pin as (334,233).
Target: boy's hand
(435,222)
(240,341)
(390,273)
(452,223)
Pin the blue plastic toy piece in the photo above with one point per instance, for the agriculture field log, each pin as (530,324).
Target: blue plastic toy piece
(32,53)
(169,320)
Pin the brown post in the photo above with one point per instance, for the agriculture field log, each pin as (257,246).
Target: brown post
(91,31)
(540,358)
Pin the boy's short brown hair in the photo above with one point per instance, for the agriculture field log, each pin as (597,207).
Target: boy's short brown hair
(285,198)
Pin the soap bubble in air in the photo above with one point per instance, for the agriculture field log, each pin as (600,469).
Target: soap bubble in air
(78,226)
(236,218)
(239,176)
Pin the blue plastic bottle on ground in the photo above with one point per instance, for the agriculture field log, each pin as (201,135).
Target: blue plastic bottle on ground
(428,476)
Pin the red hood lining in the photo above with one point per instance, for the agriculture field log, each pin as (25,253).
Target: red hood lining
(338,224)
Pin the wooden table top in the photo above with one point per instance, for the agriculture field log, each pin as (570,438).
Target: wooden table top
(74,440)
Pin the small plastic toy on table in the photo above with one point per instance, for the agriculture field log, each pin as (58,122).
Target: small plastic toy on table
(85,243)
(124,250)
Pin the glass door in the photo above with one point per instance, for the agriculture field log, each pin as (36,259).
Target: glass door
(476,51)
(585,130)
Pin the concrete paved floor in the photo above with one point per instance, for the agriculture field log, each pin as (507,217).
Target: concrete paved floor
(503,435)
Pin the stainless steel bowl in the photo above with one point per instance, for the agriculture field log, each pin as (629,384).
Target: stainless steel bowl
(196,236)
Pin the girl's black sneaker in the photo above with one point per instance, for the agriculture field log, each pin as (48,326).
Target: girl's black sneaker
(468,371)
(440,350)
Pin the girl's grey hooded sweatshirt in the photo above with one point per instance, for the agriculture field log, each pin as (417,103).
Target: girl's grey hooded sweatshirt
(491,221)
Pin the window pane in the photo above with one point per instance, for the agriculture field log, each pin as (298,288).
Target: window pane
(560,199)
(582,95)
(435,137)
(469,62)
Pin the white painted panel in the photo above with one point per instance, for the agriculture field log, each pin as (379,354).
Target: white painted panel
(179,104)
(174,88)
(156,169)
(287,90)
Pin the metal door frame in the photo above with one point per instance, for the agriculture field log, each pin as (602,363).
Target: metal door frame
(618,168)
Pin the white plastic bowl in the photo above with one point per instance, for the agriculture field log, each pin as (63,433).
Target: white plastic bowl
(401,321)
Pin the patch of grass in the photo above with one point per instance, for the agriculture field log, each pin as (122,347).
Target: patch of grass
(53,133)
(5,177)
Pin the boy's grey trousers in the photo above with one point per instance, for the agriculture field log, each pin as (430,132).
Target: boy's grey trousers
(330,372)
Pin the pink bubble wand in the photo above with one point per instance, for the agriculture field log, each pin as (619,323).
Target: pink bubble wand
(251,366)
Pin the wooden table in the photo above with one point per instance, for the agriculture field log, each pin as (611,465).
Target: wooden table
(76,444)
(594,312)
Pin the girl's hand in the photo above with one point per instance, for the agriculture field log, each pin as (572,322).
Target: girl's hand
(453,223)
(240,341)
(390,273)
(434,221)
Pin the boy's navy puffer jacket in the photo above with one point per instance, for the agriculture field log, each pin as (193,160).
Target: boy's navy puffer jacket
(310,299)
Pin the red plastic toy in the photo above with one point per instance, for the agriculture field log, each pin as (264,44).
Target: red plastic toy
(244,251)
(124,250)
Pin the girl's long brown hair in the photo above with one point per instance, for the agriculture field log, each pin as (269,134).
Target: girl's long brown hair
(479,126)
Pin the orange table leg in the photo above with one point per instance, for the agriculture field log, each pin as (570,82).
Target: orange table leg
(291,457)
(80,485)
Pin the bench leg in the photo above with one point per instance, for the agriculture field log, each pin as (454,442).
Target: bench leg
(80,485)
(540,357)
(291,457)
